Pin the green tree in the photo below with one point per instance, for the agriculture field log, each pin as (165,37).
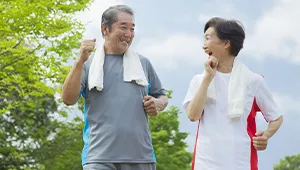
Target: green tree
(289,163)
(36,39)
(168,141)
(64,151)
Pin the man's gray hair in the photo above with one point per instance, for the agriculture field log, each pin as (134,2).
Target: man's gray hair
(110,15)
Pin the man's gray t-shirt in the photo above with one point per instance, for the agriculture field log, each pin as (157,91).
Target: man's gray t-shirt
(116,125)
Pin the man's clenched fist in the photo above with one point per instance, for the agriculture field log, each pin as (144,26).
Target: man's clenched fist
(150,105)
(86,48)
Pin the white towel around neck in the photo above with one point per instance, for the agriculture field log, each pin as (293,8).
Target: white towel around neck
(238,83)
(132,69)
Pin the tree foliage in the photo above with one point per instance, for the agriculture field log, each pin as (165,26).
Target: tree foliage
(168,141)
(36,39)
(64,151)
(289,163)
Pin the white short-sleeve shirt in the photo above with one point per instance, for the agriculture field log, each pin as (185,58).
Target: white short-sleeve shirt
(223,143)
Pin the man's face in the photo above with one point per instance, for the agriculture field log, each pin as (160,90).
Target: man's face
(212,44)
(121,34)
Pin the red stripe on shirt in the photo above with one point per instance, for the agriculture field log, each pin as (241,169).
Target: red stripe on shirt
(251,129)
(195,147)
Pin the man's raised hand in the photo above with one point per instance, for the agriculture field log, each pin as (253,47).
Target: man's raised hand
(86,48)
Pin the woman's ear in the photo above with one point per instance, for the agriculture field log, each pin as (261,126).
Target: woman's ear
(226,44)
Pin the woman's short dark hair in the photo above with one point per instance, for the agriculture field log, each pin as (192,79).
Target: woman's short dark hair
(231,30)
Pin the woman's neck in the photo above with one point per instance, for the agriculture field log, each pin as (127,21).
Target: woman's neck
(225,64)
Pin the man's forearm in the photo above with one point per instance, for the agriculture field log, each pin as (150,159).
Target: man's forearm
(72,84)
(196,105)
(273,127)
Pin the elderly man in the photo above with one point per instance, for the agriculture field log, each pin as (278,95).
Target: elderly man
(225,99)
(120,88)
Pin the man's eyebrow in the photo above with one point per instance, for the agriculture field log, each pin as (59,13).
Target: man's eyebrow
(125,23)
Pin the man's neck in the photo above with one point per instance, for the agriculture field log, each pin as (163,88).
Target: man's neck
(109,50)
(225,64)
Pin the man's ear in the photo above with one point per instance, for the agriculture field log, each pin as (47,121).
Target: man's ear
(104,29)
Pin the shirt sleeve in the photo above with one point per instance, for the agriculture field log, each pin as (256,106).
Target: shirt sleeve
(193,87)
(266,103)
(155,89)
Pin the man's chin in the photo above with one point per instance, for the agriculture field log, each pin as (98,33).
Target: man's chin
(123,49)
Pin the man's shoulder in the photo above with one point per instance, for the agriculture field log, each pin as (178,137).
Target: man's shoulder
(143,59)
